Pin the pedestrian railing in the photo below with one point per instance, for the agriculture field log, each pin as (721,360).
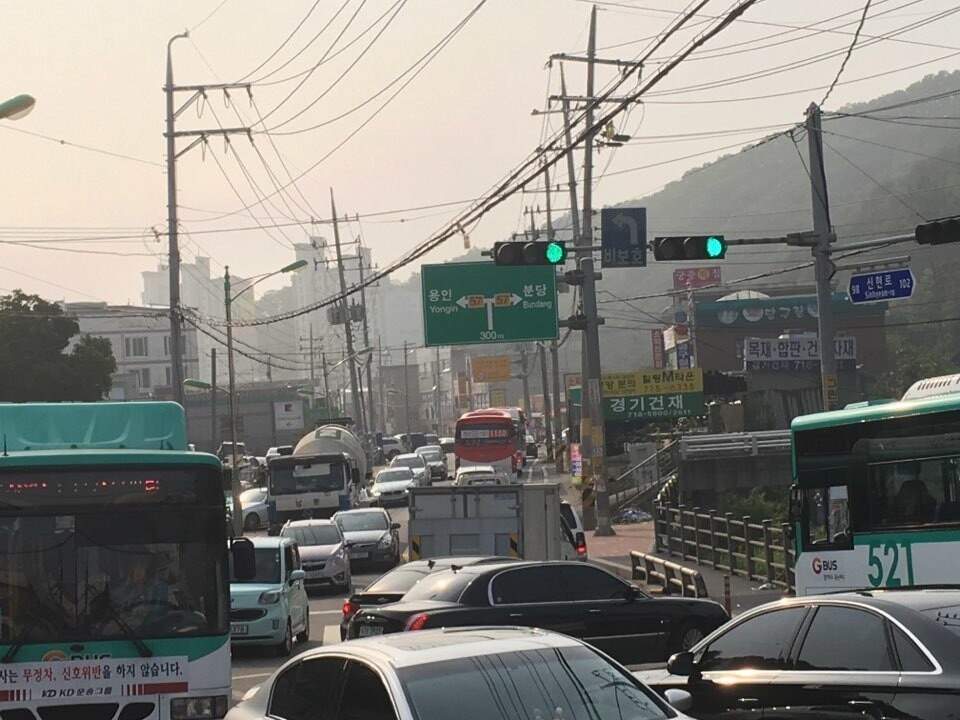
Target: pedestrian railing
(673,579)
(660,467)
(764,442)
(738,546)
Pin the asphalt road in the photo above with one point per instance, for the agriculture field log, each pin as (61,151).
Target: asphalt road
(251,666)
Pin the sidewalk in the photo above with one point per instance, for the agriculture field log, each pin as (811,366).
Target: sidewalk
(613,553)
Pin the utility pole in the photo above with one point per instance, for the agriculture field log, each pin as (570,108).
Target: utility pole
(326,383)
(371,415)
(436,392)
(591,435)
(554,347)
(213,400)
(547,405)
(380,385)
(173,245)
(823,266)
(351,360)
(525,379)
(406,390)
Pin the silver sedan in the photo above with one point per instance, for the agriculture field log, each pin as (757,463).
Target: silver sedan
(491,673)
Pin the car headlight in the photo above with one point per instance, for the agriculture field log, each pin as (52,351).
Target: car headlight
(196,708)
(385,542)
(270,597)
(375,492)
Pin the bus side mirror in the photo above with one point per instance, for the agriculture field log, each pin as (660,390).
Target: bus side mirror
(244,559)
(796,505)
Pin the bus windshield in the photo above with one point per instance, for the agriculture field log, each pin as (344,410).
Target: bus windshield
(307,478)
(71,576)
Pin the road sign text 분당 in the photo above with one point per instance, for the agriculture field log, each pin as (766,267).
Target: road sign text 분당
(480,303)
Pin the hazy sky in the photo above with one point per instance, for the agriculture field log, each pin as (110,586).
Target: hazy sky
(97,71)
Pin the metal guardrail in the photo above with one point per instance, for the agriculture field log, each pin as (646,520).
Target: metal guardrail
(722,542)
(628,486)
(674,579)
(736,444)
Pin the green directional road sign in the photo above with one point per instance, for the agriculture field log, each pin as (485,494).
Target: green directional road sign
(478,303)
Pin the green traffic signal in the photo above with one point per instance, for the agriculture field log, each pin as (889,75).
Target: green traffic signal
(715,247)
(555,253)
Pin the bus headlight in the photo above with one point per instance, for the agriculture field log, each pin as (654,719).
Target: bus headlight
(198,708)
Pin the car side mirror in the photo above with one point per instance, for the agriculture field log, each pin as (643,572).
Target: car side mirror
(680,700)
(355,476)
(681,663)
(394,526)
(244,559)
(633,593)
(297,575)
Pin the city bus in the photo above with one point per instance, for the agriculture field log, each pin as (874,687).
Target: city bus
(114,597)
(876,492)
(487,437)
(520,423)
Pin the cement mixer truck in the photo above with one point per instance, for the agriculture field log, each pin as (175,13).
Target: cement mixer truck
(322,476)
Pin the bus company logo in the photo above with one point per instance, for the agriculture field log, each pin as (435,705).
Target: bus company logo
(59,655)
(820,566)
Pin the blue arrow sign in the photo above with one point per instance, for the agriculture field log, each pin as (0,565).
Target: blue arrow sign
(623,237)
(884,285)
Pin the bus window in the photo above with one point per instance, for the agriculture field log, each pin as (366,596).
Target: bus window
(827,518)
(914,492)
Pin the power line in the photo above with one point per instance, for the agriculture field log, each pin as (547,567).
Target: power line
(290,37)
(846,58)
(209,15)
(88,148)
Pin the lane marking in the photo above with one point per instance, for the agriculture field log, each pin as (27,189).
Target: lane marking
(252,677)
(326,612)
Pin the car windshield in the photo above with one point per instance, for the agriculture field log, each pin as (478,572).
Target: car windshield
(398,475)
(306,478)
(431,456)
(446,585)
(573,683)
(313,534)
(352,522)
(408,461)
(268,567)
(397,581)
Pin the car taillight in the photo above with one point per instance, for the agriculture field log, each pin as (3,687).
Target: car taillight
(581,544)
(349,609)
(416,622)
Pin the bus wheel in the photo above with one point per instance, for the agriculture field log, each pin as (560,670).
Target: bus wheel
(286,645)
(252,522)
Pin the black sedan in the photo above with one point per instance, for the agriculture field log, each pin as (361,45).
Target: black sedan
(393,585)
(573,598)
(867,654)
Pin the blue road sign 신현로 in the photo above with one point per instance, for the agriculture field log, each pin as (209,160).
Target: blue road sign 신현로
(623,237)
(882,285)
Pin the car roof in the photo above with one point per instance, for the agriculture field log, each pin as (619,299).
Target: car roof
(915,598)
(477,468)
(443,645)
(270,541)
(433,447)
(360,511)
(407,455)
(312,522)
(398,468)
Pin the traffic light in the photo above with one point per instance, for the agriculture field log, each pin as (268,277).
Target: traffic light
(699,247)
(939,232)
(530,253)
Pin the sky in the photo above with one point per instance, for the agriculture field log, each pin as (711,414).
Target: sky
(84,184)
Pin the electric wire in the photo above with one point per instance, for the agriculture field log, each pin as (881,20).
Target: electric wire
(846,57)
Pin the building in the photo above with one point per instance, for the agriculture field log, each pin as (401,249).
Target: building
(140,338)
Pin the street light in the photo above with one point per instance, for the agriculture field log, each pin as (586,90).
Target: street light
(228,300)
(17,107)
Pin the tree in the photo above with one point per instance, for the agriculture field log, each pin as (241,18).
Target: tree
(911,362)
(34,362)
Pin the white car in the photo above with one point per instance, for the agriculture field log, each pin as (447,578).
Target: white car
(391,486)
(480,470)
(471,479)
(494,673)
(416,464)
(253,503)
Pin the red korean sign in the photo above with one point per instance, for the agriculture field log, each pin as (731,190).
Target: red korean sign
(684,278)
(656,340)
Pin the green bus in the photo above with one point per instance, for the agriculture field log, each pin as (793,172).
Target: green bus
(876,492)
(114,586)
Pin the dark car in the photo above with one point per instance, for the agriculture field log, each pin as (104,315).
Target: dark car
(876,653)
(532,449)
(393,585)
(569,597)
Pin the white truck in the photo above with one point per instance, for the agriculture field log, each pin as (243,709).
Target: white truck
(322,476)
(517,520)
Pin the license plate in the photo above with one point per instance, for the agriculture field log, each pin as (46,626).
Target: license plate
(368,630)
(360,555)
(239,629)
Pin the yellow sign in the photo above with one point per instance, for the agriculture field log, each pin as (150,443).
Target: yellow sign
(652,382)
(501,300)
(490,368)
(498,398)
(475,301)
(830,393)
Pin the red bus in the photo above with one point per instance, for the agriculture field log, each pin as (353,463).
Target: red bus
(487,437)
(520,423)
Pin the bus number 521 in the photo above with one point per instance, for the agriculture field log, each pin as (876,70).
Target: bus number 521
(886,562)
